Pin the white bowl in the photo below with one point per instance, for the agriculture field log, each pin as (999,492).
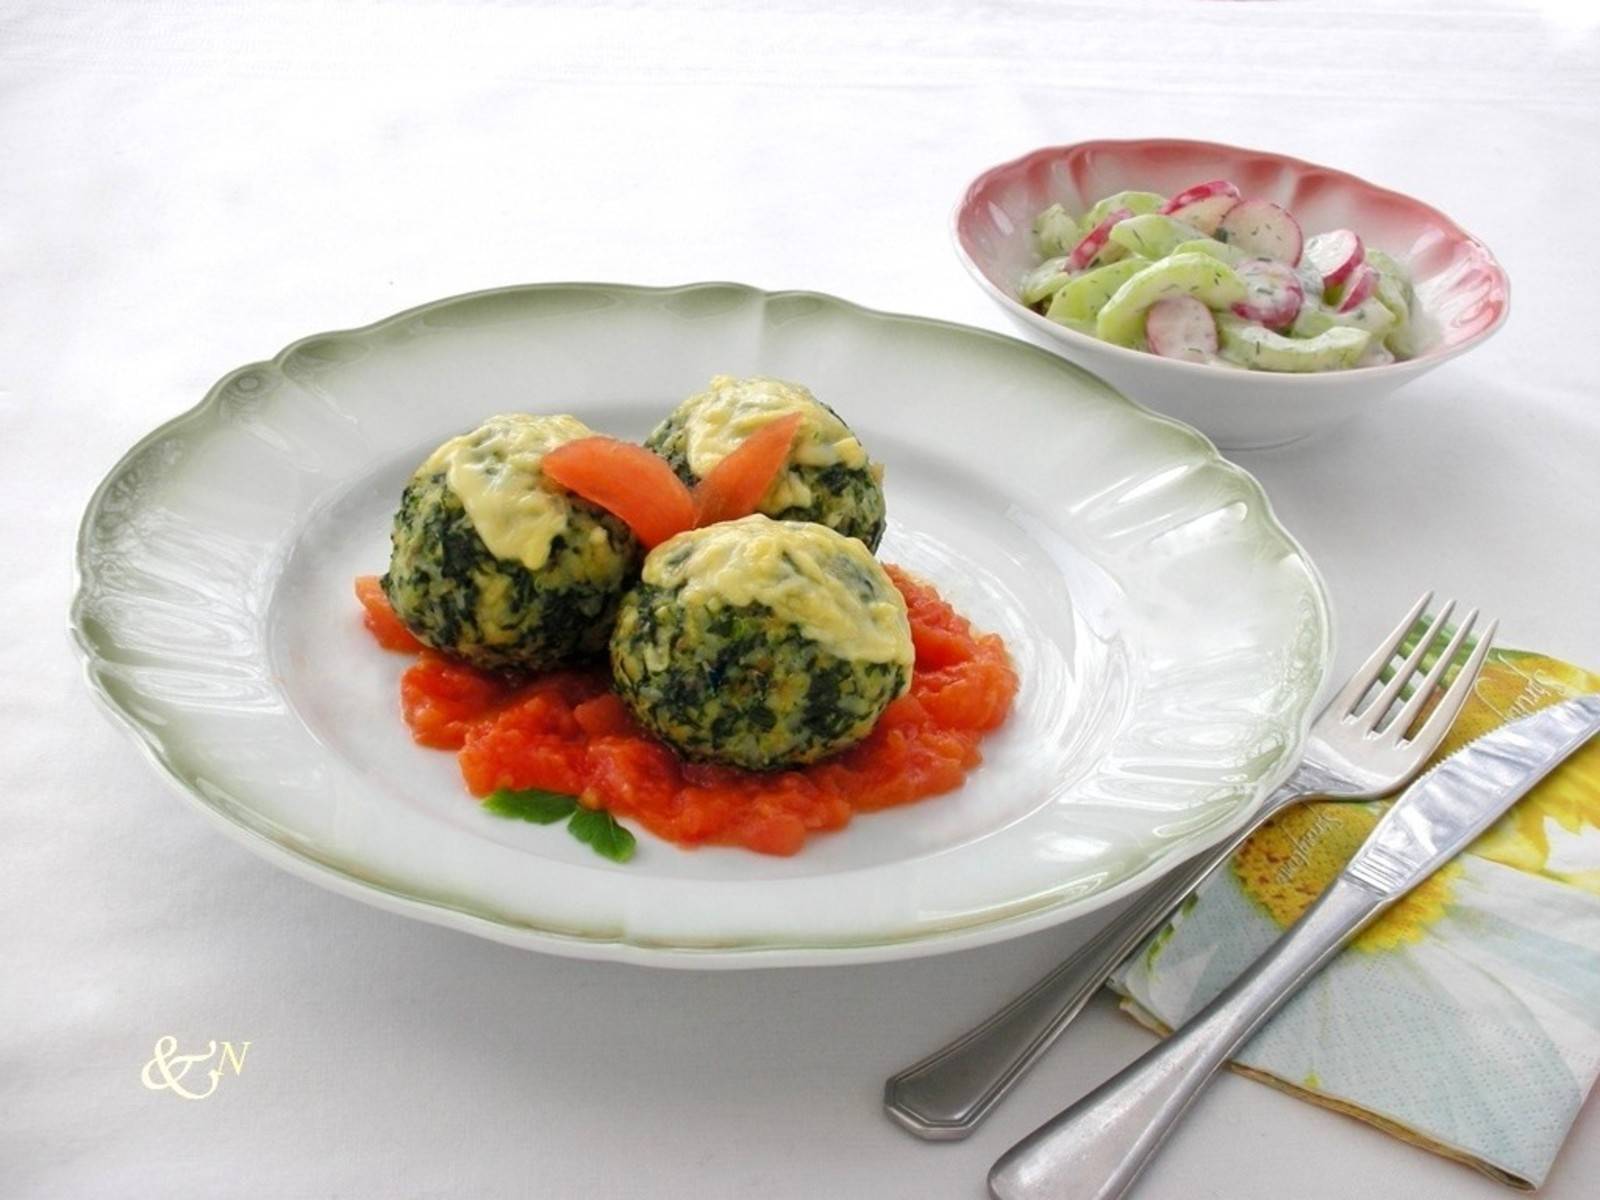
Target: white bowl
(1462,291)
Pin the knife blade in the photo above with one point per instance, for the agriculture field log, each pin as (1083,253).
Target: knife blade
(1446,809)
(1095,1149)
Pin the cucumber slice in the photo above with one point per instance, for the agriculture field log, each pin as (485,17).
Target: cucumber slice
(1395,293)
(1369,315)
(1406,339)
(1080,300)
(1375,355)
(1385,262)
(1134,202)
(1211,282)
(1394,275)
(1084,327)
(1055,231)
(1313,319)
(1311,281)
(1044,280)
(1257,347)
(1220,251)
(1152,235)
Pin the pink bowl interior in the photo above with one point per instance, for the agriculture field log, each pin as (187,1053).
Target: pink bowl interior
(1460,286)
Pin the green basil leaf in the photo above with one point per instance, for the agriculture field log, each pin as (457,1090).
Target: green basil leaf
(533,804)
(599,829)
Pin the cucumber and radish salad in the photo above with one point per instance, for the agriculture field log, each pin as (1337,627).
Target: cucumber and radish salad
(1210,276)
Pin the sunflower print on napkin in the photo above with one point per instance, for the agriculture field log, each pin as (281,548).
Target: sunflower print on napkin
(1467,1018)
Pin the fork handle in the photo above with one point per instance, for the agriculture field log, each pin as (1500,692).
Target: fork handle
(946,1095)
(1097,1147)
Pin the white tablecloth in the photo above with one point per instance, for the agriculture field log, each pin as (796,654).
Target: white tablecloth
(187,187)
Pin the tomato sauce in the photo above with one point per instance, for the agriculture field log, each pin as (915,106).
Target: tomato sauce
(566,731)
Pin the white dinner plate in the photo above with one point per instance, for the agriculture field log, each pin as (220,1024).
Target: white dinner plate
(1170,637)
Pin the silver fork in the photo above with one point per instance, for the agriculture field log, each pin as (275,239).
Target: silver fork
(1350,754)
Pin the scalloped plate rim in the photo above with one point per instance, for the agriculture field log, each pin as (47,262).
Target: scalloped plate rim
(341,880)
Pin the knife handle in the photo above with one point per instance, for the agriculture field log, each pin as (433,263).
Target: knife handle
(1096,1148)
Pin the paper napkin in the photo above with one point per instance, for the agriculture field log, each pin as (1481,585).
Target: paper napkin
(1467,1019)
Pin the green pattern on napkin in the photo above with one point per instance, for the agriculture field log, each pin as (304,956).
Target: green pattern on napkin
(1466,1019)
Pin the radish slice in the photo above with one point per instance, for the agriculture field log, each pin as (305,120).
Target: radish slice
(1264,228)
(1181,327)
(1335,254)
(1274,292)
(1203,205)
(1358,287)
(1095,241)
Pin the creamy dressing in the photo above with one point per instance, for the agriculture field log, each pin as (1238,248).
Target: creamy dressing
(1121,275)
(494,472)
(827,585)
(720,418)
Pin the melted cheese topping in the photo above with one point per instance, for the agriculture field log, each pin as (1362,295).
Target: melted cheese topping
(494,471)
(720,418)
(827,585)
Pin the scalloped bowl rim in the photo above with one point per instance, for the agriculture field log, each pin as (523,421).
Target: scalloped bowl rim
(1396,371)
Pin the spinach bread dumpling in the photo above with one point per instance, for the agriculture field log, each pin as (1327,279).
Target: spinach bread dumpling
(761,643)
(500,566)
(828,477)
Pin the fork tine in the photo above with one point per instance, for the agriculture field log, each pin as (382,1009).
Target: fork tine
(1349,696)
(1439,722)
(1375,711)
(1418,699)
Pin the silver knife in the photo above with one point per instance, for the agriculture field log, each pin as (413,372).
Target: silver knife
(1094,1149)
